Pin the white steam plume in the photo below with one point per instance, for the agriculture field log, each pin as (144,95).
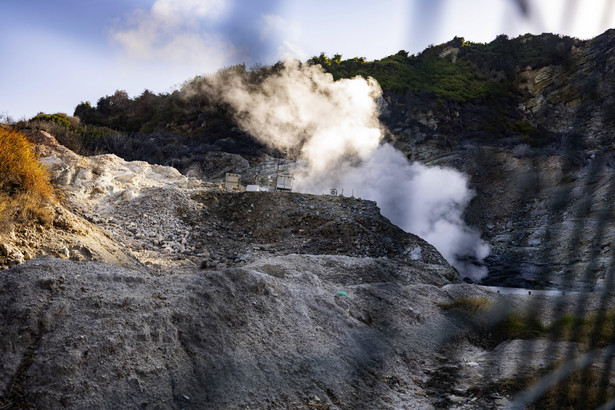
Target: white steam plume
(335,128)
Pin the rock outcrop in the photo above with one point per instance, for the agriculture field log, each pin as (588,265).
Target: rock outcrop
(542,166)
(299,331)
(253,299)
(89,186)
(153,289)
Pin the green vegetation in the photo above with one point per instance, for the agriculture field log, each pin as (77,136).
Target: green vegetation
(586,388)
(445,77)
(594,330)
(517,326)
(523,128)
(185,113)
(528,133)
(59,118)
(468,88)
(458,70)
(69,131)
(510,55)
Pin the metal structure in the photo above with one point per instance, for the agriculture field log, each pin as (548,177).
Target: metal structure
(284,183)
(232,182)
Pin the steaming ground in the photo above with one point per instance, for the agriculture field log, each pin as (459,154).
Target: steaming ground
(426,201)
(334,128)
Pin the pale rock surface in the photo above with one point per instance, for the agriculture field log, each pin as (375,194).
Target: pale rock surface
(203,299)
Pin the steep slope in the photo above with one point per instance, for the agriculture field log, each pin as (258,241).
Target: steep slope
(163,218)
(89,336)
(540,157)
(529,118)
(301,301)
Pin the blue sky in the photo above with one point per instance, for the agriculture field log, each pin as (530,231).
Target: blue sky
(59,53)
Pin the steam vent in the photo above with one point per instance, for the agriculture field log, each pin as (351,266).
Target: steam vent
(424,231)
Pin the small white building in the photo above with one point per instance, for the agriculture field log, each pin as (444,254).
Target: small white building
(285,183)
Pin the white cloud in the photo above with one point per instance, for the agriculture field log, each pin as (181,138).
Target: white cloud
(172,33)
(278,29)
(273,24)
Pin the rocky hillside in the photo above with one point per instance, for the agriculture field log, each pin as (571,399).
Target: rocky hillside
(540,161)
(528,118)
(266,300)
(285,331)
(151,287)
(548,91)
(156,214)
(557,102)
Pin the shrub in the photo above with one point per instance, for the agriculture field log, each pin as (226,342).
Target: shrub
(447,78)
(63,127)
(467,304)
(596,329)
(58,118)
(24,183)
(581,389)
(517,326)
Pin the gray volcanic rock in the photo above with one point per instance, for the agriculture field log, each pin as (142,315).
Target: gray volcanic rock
(303,301)
(250,224)
(82,335)
(293,331)
(549,222)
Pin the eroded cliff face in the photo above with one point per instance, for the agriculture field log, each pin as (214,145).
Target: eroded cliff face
(155,289)
(549,223)
(548,220)
(542,168)
(254,299)
(564,107)
(577,97)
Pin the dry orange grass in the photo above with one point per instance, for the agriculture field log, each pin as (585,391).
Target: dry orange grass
(24,183)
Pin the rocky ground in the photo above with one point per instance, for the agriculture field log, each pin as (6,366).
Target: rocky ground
(298,331)
(544,193)
(548,219)
(550,223)
(161,291)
